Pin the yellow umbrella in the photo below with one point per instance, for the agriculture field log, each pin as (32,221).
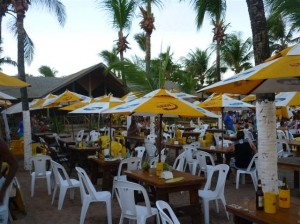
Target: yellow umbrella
(65,97)
(222,101)
(249,98)
(284,112)
(113,101)
(5,103)
(279,73)
(131,96)
(6,80)
(39,102)
(78,105)
(287,99)
(163,103)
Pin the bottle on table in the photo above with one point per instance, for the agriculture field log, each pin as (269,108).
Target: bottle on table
(259,196)
(284,195)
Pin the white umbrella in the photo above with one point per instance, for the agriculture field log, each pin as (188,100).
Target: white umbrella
(5,96)
(92,108)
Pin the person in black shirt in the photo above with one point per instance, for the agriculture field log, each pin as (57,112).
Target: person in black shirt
(243,150)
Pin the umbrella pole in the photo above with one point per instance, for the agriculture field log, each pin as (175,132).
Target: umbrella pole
(110,115)
(159,138)
(222,126)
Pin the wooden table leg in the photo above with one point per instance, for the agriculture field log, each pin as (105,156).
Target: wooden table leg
(296,179)
(194,201)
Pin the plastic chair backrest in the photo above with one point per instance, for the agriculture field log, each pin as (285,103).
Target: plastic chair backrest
(179,162)
(87,189)
(40,165)
(196,144)
(154,160)
(190,152)
(125,192)
(60,173)
(217,137)
(166,218)
(248,135)
(150,148)
(132,163)
(202,159)
(222,170)
(79,135)
(151,138)
(280,134)
(166,136)
(288,134)
(251,162)
(105,140)
(111,133)
(140,150)
(94,136)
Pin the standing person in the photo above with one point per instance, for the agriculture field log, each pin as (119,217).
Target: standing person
(20,129)
(8,157)
(35,124)
(228,120)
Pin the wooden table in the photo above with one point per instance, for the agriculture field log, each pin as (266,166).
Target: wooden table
(189,183)
(282,215)
(177,147)
(296,144)
(214,130)
(36,136)
(106,169)
(186,128)
(139,139)
(291,163)
(80,155)
(191,133)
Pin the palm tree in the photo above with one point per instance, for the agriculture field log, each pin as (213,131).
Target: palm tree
(46,71)
(6,60)
(140,38)
(265,106)
(6,8)
(20,7)
(236,53)
(216,11)
(280,33)
(288,9)
(196,64)
(147,24)
(122,13)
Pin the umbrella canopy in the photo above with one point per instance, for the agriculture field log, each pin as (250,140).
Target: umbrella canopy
(78,105)
(131,96)
(287,99)
(92,108)
(65,97)
(249,98)
(163,103)
(39,102)
(10,81)
(17,108)
(4,96)
(5,103)
(113,101)
(222,101)
(279,73)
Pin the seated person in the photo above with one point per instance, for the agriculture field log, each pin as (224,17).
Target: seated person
(132,131)
(282,126)
(43,127)
(243,150)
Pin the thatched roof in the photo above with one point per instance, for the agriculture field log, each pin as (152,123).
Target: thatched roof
(91,81)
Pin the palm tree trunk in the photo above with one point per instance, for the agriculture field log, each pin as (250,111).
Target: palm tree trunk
(218,60)
(148,53)
(21,7)
(265,106)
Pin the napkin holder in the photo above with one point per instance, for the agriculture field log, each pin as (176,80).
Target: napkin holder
(167,175)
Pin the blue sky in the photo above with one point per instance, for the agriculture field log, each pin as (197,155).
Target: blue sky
(88,31)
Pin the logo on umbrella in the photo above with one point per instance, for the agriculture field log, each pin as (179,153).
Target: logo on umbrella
(167,106)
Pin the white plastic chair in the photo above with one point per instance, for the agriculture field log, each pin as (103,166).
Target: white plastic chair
(196,144)
(40,170)
(93,136)
(152,138)
(250,170)
(166,218)
(154,160)
(79,135)
(89,194)
(140,150)
(132,163)
(125,192)
(248,135)
(63,181)
(4,206)
(218,193)
(179,163)
(166,137)
(190,156)
(202,162)
(150,150)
